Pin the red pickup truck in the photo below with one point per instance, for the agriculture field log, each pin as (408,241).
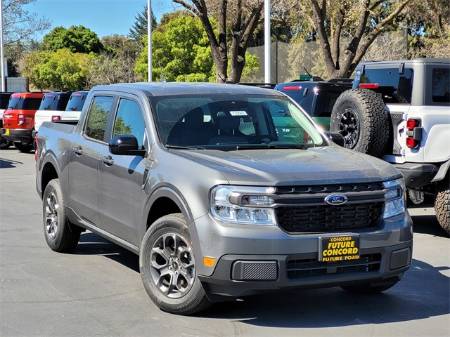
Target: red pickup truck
(18,119)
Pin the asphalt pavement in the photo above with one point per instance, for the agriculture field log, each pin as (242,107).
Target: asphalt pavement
(97,290)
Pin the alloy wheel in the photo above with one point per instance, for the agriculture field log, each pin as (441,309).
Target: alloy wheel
(51,215)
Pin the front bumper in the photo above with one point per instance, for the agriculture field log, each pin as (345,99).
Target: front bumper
(23,136)
(417,175)
(270,254)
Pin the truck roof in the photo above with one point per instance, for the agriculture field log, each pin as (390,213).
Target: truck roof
(413,61)
(28,94)
(176,88)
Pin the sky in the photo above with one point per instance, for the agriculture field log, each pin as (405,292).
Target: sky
(105,17)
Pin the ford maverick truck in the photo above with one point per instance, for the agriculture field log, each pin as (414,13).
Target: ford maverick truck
(223,191)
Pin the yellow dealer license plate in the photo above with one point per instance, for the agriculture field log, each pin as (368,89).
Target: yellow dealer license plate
(6,132)
(338,248)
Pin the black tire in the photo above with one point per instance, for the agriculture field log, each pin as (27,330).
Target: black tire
(442,205)
(360,116)
(66,236)
(4,144)
(24,148)
(195,299)
(371,288)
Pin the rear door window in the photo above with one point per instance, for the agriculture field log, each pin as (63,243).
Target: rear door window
(98,116)
(4,99)
(440,88)
(395,87)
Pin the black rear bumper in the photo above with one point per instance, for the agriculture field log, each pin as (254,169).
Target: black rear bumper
(417,175)
(23,136)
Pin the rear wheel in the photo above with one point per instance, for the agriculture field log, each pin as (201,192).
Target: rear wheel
(60,234)
(24,148)
(360,116)
(442,206)
(168,268)
(371,287)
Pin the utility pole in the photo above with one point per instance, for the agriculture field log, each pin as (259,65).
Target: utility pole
(149,39)
(2,57)
(267,43)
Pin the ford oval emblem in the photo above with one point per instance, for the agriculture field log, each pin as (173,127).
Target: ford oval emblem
(336,199)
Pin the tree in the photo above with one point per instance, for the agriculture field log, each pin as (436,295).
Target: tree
(78,39)
(235,26)
(59,70)
(180,51)
(360,21)
(116,63)
(139,28)
(19,25)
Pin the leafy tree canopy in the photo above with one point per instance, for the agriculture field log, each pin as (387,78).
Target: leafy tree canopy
(181,51)
(60,70)
(78,39)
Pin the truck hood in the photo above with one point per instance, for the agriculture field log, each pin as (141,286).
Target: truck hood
(322,165)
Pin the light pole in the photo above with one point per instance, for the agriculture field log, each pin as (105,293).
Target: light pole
(2,59)
(149,39)
(267,43)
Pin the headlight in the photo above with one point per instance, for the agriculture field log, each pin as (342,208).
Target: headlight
(243,205)
(395,198)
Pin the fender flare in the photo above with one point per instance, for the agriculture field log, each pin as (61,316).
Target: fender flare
(442,173)
(171,192)
(49,157)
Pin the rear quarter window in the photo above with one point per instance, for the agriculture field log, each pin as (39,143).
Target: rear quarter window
(440,88)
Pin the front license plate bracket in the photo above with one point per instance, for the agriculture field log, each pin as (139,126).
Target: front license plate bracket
(339,248)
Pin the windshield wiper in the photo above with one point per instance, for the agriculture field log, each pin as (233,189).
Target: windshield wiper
(266,146)
(179,147)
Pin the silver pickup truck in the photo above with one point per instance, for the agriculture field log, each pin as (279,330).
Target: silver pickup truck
(223,191)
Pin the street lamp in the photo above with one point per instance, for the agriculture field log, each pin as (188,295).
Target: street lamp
(2,58)
(149,39)
(267,43)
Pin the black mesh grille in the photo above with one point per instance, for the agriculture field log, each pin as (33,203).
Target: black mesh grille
(323,218)
(300,268)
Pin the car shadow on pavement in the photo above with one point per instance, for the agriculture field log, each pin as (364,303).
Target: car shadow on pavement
(423,292)
(92,244)
(8,163)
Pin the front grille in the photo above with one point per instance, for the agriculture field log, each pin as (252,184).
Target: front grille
(324,218)
(301,268)
(334,188)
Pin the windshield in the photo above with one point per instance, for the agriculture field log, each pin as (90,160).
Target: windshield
(239,122)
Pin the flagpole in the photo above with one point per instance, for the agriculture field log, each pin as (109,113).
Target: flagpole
(2,57)
(267,43)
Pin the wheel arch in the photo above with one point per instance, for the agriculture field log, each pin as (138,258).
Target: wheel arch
(49,170)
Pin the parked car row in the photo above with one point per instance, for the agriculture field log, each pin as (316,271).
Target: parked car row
(25,112)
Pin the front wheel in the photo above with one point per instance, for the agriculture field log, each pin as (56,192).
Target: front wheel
(168,267)
(372,287)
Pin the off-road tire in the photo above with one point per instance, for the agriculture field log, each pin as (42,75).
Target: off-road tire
(442,205)
(371,288)
(372,116)
(67,234)
(195,300)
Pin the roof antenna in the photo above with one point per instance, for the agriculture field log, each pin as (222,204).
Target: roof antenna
(307,72)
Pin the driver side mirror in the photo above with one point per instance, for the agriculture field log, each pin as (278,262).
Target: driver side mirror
(126,145)
(336,138)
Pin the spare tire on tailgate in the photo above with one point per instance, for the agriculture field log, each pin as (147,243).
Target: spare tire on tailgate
(361,117)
